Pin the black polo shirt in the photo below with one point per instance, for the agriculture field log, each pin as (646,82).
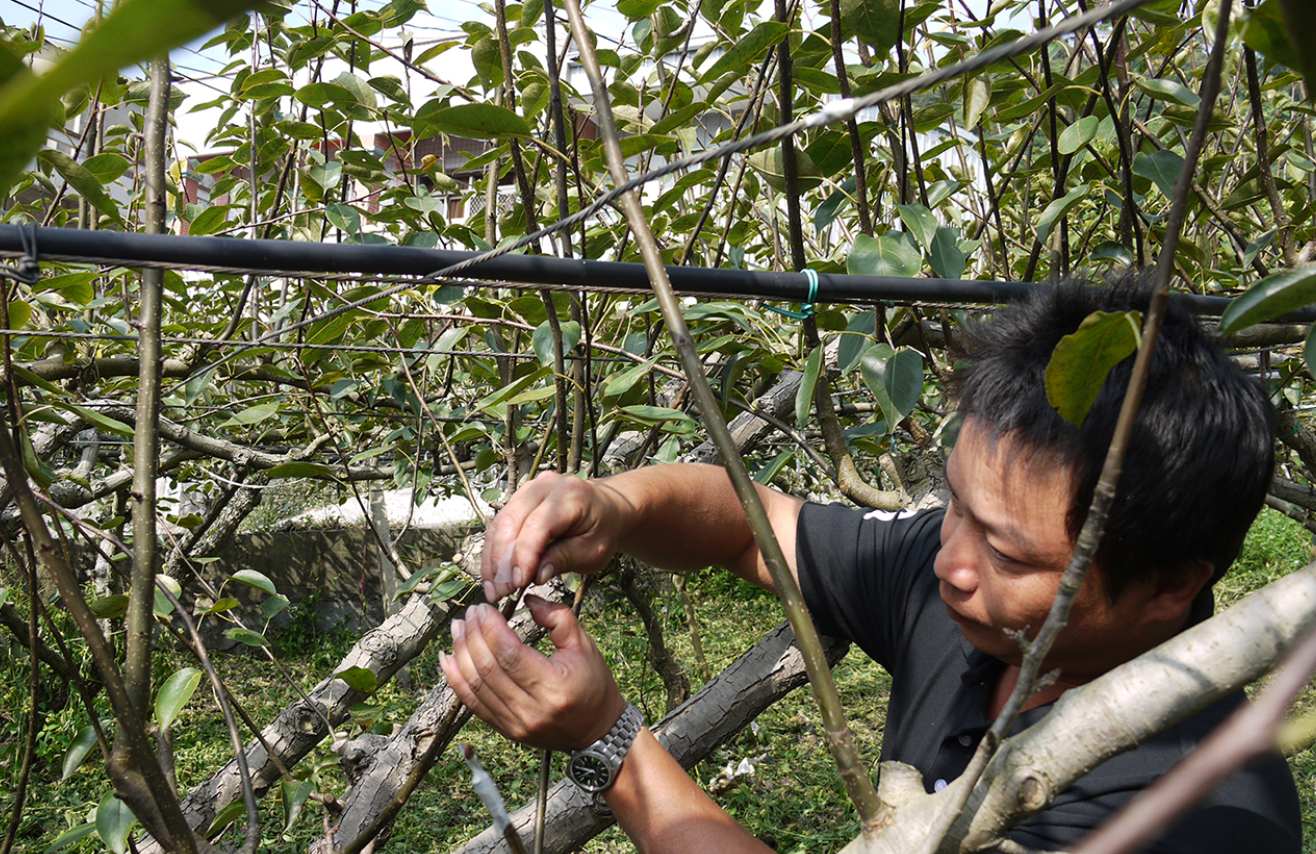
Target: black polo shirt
(868,578)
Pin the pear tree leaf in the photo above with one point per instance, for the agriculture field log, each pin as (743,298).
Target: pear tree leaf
(359,679)
(78,750)
(892,254)
(804,394)
(258,580)
(175,694)
(293,794)
(1271,297)
(895,377)
(1082,360)
(1161,167)
(114,821)
(1057,210)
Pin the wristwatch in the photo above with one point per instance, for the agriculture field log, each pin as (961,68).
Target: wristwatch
(594,768)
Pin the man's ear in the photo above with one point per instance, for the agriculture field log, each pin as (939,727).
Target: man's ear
(1172,595)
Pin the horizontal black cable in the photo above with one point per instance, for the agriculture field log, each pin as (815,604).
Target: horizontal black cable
(296,258)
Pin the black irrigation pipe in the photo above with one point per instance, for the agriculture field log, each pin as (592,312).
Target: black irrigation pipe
(293,258)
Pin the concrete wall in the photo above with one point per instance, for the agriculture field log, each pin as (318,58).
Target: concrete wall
(339,568)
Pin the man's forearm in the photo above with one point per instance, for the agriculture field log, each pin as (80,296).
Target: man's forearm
(687,516)
(663,811)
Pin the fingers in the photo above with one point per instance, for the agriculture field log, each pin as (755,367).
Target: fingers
(562,703)
(549,526)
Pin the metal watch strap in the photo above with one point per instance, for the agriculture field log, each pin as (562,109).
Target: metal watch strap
(613,745)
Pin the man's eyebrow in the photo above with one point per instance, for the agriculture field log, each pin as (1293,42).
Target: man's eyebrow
(1023,546)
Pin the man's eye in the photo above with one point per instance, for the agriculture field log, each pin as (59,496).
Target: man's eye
(999,555)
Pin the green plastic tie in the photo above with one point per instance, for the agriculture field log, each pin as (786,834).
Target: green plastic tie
(806,307)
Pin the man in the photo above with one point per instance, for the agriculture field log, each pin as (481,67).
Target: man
(935,597)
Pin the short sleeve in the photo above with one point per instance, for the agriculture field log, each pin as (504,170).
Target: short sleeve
(858,569)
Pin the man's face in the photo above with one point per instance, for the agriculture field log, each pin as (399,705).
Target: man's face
(1004,546)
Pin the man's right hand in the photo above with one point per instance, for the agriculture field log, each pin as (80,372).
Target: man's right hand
(552,525)
(675,517)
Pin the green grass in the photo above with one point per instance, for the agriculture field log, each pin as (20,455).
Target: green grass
(794,794)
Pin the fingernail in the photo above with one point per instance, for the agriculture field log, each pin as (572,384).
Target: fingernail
(458,630)
(489,591)
(545,573)
(474,614)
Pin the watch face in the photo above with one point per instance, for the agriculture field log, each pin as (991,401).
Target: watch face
(591,772)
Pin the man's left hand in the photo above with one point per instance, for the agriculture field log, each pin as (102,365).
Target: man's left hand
(563,702)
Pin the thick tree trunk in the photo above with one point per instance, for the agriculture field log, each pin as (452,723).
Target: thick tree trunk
(725,706)
(1106,717)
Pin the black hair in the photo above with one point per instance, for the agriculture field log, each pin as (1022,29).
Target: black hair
(1200,458)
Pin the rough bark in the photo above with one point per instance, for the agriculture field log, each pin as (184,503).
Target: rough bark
(1106,717)
(747,429)
(753,682)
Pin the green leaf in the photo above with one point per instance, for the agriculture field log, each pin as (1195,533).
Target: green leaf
(252,578)
(875,22)
(475,121)
(1269,298)
(94,418)
(745,51)
(319,471)
(619,383)
(110,607)
(246,636)
(770,163)
(108,167)
(1256,246)
(1169,90)
(175,694)
(1309,348)
(1264,28)
(32,379)
(1078,135)
(804,394)
(316,95)
(82,180)
(977,95)
(920,222)
(896,379)
(266,83)
(1162,167)
(161,605)
(73,834)
(209,221)
(1057,210)
(273,605)
(134,31)
(440,573)
(20,312)
(293,794)
(892,254)
(774,467)
(448,590)
(654,415)
(359,679)
(855,340)
(947,258)
(252,415)
(1082,360)
(343,216)
(227,816)
(114,821)
(1300,29)
(78,750)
